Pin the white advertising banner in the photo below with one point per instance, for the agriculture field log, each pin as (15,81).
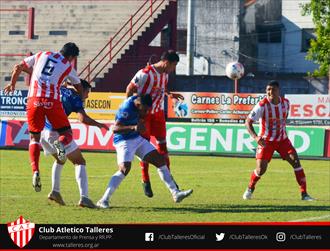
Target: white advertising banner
(309,109)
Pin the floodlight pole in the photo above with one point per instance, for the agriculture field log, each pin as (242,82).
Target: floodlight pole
(190,38)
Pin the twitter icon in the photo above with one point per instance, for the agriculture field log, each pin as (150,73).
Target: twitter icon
(219,237)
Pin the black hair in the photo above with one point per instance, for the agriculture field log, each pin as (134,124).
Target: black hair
(70,49)
(273,83)
(85,85)
(170,56)
(151,59)
(146,100)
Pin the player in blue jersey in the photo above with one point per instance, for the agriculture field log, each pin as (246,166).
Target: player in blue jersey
(128,142)
(72,102)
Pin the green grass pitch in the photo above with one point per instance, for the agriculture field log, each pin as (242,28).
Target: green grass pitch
(218,184)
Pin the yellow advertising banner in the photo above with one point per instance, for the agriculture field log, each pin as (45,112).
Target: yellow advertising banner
(102,105)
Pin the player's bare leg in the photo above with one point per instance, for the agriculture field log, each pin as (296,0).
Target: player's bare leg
(294,161)
(114,183)
(158,160)
(34,152)
(256,174)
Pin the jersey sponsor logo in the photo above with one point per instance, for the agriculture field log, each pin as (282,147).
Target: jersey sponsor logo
(21,231)
(47,105)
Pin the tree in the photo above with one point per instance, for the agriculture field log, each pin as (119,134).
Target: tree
(319,52)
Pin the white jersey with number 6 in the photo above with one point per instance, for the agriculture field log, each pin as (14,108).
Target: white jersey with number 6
(50,69)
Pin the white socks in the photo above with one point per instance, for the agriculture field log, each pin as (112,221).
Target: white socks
(56,176)
(166,177)
(81,178)
(115,181)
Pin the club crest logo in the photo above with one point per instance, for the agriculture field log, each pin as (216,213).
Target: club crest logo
(21,231)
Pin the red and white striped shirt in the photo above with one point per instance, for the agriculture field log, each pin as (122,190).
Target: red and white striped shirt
(149,81)
(49,71)
(272,119)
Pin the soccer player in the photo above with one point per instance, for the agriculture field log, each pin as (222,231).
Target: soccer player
(272,112)
(153,80)
(72,102)
(128,142)
(49,71)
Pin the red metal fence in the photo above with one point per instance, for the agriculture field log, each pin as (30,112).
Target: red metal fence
(30,22)
(112,48)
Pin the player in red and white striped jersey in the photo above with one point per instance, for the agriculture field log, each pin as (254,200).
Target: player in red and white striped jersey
(49,71)
(153,80)
(272,112)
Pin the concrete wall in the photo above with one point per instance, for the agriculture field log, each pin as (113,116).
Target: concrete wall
(88,23)
(216,26)
(287,55)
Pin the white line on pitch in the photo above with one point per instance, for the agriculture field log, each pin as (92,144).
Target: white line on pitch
(312,218)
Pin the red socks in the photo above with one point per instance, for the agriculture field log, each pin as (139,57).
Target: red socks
(145,171)
(301,179)
(34,151)
(254,179)
(162,149)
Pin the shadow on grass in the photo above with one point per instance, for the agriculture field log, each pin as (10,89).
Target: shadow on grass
(218,208)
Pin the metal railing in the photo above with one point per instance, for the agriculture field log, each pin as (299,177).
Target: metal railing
(113,47)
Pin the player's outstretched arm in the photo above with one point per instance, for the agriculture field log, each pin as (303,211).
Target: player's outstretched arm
(131,89)
(123,129)
(14,76)
(175,95)
(84,118)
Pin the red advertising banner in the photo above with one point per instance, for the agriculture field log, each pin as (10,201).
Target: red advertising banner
(15,134)
(210,107)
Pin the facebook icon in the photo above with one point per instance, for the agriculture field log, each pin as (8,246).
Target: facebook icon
(149,236)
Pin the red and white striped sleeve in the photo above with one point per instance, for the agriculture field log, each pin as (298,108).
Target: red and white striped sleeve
(140,79)
(29,61)
(256,113)
(287,106)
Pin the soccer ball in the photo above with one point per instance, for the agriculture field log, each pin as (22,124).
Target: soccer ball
(234,70)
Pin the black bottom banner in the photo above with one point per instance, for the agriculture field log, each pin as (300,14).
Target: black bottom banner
(166,236)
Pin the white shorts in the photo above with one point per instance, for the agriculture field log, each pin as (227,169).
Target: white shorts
(138,146)
(47,142)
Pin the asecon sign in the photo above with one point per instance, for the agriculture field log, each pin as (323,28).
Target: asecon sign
(222,139)
(309,109)
(102,105)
